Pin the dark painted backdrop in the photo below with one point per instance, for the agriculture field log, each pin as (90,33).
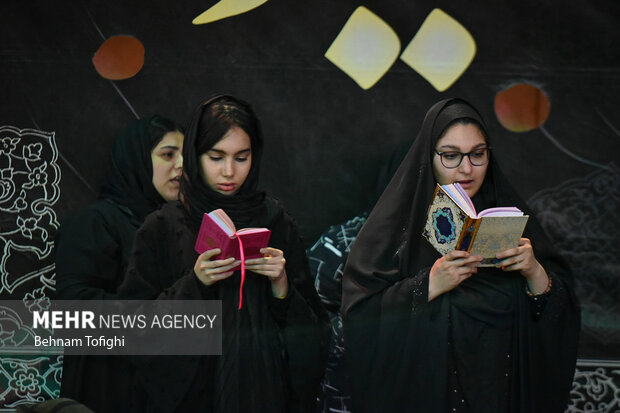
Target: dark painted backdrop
(324,133)
(326,138)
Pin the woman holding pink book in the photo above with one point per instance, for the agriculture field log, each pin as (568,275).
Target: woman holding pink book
(438,334)
(275,333)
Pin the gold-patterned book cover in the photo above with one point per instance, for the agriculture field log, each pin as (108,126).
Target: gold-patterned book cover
(451,225)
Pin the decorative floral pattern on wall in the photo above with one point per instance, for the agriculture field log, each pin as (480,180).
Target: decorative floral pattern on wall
(579,216)
(595,388)
(29,188)
(29,179)
(26,380)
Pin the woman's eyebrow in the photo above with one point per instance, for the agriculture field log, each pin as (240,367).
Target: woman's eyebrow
(456,148)
(169,147)
(244,151)
(221,152)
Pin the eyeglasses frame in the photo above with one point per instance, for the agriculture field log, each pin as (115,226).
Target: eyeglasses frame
(463,155)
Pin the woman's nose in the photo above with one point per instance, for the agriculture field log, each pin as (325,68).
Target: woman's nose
(465,165)
(229,169)
(179,162)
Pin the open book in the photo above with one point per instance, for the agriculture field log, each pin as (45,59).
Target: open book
(218,231)
(452,223)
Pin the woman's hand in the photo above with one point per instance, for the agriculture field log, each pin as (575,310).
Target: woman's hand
(272,265)
(522,259)
(211,271)
(451,270)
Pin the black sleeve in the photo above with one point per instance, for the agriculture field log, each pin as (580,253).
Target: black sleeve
(92,250)
(156,270)
(538,302)
(147,265)
(307,327)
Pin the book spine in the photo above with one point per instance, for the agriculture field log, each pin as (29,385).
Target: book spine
(468,234)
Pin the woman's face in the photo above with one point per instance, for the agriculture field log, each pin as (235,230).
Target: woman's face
(227,164)
(168,165)
(464,139)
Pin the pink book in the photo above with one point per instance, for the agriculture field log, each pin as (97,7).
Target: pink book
(218,231)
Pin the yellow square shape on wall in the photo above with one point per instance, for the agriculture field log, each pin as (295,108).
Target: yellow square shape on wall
(441,50)
(365,48)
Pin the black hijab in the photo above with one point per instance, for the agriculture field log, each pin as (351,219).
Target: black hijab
(129,182)
(396,341)
(400,212)
(211,120)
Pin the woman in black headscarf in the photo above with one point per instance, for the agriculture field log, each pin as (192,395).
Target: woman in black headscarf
(438,334)
(273,346)
(93,246)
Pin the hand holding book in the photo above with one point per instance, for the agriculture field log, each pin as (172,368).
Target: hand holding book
(451,270)
(521,258)
(469,240)
(272,265)
(453,224)
(209,271)
(222,248)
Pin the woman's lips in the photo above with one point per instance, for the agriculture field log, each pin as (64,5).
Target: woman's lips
(226,187)
(466,184)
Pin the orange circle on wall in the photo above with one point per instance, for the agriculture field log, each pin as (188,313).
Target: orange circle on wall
(522,107)
(119,57)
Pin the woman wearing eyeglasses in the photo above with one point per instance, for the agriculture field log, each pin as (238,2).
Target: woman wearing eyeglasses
(438,333)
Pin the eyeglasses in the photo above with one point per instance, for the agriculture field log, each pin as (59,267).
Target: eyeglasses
(453,159)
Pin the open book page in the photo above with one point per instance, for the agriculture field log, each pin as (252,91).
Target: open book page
(458,195)
(247,231)
(500,212)
(223,220)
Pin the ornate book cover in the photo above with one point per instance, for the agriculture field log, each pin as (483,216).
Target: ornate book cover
(450,226)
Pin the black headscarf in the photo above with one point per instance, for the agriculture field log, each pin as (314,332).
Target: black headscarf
(401,209)
(129,182)
(396,341)
(210,122)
